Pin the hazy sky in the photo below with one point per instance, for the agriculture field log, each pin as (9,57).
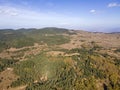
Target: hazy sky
(96,15)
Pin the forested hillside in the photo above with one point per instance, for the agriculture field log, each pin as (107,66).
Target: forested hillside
(59,59)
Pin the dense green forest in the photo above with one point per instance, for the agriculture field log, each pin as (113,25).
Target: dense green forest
(27,37)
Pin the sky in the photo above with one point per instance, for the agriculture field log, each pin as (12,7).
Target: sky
(90,15)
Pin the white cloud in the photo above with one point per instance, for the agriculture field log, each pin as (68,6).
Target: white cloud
(10,11)
(93,11)
(114,4)
(15,17)
(1,11)
(14,13)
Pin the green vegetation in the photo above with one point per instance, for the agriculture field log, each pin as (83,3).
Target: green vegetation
(12,38)
(50,36)
(26,71)
(83,71)
(85,68)
(54,40)
(27,37)
(5,63)
(38,67)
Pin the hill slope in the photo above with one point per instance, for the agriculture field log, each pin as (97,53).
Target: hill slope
(59,59)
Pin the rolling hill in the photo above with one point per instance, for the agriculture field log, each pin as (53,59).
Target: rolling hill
(59,59)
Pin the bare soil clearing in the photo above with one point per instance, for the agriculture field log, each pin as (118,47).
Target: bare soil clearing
(7,77)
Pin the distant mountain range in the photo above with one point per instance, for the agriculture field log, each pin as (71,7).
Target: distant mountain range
(111,30)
